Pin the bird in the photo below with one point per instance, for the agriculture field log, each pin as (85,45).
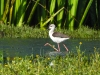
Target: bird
(56,37)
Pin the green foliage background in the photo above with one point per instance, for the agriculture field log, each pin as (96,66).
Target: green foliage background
(70,14)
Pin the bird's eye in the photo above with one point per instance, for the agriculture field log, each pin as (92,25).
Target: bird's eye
(50,26)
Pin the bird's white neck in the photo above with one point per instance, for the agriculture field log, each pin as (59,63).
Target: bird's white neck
(51,32)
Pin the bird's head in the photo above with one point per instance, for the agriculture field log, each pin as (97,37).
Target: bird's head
(51,27)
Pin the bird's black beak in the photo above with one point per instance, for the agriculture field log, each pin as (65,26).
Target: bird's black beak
(48,28)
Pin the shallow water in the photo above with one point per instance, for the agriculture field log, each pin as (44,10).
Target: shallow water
(22,47)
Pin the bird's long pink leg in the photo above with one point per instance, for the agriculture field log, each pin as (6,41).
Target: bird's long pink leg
(65,47)
(51,46)
(58,47)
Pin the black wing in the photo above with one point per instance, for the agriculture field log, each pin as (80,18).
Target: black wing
(57,34)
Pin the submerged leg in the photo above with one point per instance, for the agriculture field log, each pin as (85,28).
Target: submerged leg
(51,46)
(65,47)
(58,47)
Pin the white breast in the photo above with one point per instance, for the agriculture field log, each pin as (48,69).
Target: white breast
(56,39)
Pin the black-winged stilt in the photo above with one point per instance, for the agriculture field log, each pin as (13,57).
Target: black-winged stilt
(56,37)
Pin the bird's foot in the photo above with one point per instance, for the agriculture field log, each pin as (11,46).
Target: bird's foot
(65,47)
(46,44)
(51,46)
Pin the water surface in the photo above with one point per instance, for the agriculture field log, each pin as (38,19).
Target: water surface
(22,47)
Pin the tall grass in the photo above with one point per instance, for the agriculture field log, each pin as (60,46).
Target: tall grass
(21,8)
(60,4)
(18,12)
(52,16)
(32,11)
(6,10)
(1,8)
(43,15)
(52,8)
(11,11)
(72,4)
(85,12)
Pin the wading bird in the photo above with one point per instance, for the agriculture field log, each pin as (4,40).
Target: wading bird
(56,37)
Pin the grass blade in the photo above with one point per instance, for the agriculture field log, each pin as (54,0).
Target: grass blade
(1,8)
(60,4)
(52,8)
(4,18)
(52,17)
(43,14)
(85,12)
(21,12)
(73,4)
(32,12)
(11,11)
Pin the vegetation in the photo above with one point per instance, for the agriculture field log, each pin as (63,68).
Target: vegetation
(70,14)
(71,64)
(7,31)
(29,19)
